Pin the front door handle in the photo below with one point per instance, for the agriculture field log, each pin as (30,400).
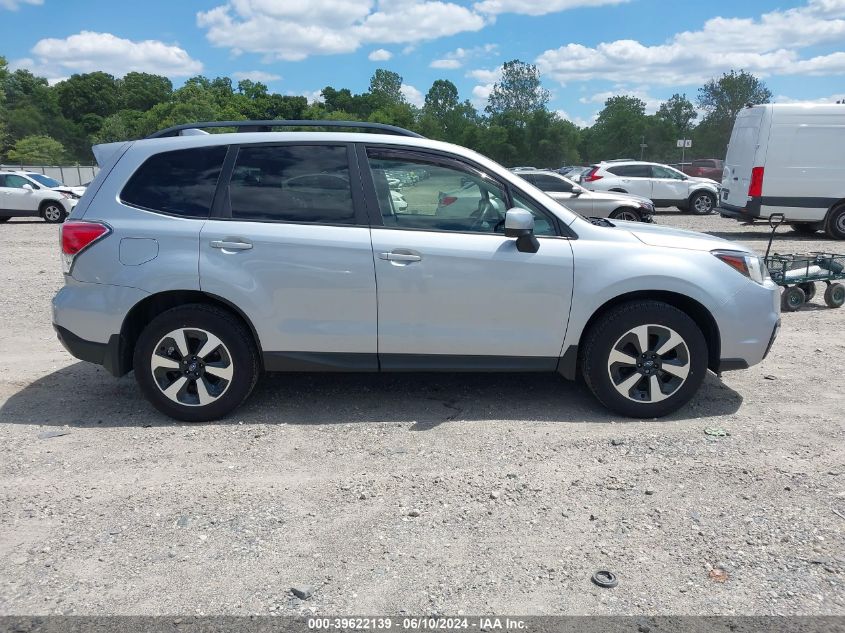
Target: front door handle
(400,257)
(231,246)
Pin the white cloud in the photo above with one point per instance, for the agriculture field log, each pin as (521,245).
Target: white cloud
(533,7)
(577,120)
(457,58)
(257,75)
(830,99)
(765,46)
(480,94)
(412,95)
(379,55)
(88,51)
(296,30)
(14,5)
(449,64)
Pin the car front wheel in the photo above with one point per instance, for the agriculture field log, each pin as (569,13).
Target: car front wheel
(196,363)
(644,359)
(702,202)
(625,214)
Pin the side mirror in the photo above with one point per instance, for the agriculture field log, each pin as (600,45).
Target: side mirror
(519,223)
(28,187)
(577,191)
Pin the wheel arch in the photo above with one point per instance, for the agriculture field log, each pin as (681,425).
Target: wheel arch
(618,190)
(571,362)
(150,307)
(42,205)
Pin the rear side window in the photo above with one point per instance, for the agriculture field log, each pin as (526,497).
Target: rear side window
(631,171)
(550,183)
(292,183)
(181,182)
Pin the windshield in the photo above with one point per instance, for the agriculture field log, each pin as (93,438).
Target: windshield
(45,180)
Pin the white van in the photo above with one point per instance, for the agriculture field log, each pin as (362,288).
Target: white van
(788,158)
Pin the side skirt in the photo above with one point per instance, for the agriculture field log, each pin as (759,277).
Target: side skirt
(349,362)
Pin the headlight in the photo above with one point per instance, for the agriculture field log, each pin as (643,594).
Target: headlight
(647,205)
(751,266)
(64,194)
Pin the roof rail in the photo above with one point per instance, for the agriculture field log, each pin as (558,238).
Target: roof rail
(265,126)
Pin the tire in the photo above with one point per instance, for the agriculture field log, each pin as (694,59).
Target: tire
(226,373)
(834,295)
(4,218)
(619,333)
(626,213)
(804,228)
(835,226)
(702,202)
(792,298)
(53,212)
(809,289)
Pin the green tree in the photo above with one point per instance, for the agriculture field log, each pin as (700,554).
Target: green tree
(618,130)
(519,92)
(678,112)
(89,93)
(141,91)
(39,150)
(386,88)
(723,98)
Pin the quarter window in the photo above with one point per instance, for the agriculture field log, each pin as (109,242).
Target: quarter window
(181,182)
(292,183)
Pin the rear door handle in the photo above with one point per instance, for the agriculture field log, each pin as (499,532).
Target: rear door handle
(400,257)
(231,246)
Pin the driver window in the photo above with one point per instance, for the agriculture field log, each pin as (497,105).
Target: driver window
(662,172)
(418,192)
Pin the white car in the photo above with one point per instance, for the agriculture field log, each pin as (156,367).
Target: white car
(664,185)
(399,202)
(29,194)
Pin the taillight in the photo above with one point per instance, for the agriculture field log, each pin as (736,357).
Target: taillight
(591,175)
(750,266)
(77,236)
(755,187)
(445,201)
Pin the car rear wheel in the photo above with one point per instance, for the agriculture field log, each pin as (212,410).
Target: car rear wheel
(836,223)
(196,363)
(702,202)
(644,359)
(804,228)
(53,213)
(626,214)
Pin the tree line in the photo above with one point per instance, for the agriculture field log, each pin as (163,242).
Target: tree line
(44,124)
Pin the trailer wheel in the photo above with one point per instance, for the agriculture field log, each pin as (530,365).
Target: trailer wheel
(809,289)
(792,298)
(834,296)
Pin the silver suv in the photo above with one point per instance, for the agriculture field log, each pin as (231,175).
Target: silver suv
(199,260)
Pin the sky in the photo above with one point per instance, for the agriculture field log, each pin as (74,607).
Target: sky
(586,50)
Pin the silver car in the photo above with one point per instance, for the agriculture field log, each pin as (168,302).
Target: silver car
(191,261)
(599,204)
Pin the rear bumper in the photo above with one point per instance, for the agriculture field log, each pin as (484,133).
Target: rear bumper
(106,354)
(750,212)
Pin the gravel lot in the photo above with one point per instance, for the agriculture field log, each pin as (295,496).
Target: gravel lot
(417,494)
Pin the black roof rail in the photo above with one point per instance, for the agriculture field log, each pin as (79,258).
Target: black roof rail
(265,126)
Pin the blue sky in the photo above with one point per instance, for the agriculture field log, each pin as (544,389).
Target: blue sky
(586,50)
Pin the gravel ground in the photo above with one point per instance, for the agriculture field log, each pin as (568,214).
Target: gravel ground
(417,494)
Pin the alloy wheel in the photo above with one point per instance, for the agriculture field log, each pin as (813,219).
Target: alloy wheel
(52,213)
(703,204)
(649,363)
(192,366)
(630,216)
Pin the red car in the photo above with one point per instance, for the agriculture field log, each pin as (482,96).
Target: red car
(705,168)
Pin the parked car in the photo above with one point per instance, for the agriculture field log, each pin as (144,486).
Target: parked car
(710,168)
(617,206)
(199,281)
(25,194)
(787,159)
(663,185)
